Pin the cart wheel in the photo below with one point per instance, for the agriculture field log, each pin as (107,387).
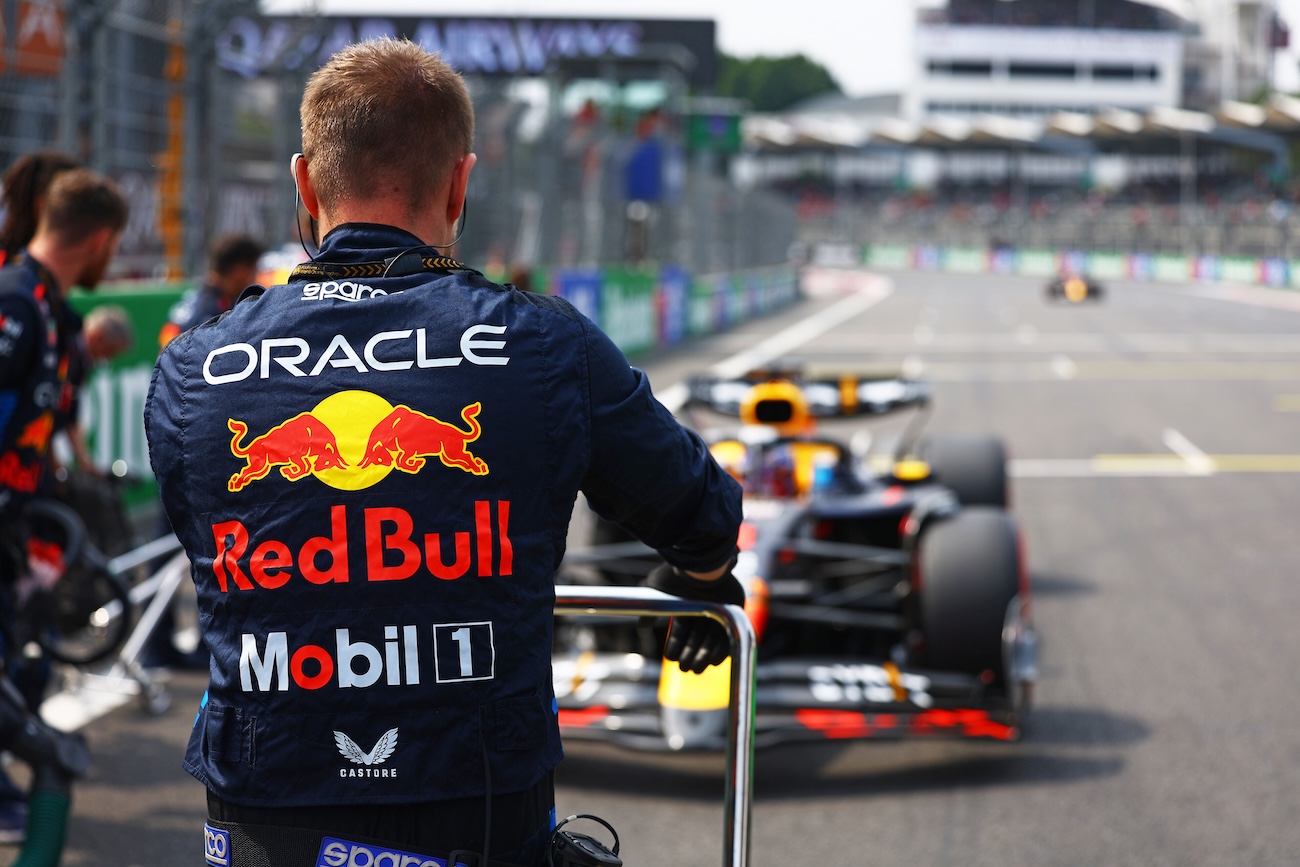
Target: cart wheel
(969,576)
(972,466)
(88,615)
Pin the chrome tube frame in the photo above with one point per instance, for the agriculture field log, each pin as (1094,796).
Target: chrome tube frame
(644,602)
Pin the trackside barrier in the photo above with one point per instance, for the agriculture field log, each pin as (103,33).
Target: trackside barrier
(644,602)
(1161,267)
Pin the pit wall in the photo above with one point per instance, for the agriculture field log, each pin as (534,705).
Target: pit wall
(640,309)
(1162,267)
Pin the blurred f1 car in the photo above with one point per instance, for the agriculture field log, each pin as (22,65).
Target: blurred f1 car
(1075,289)
(889,601)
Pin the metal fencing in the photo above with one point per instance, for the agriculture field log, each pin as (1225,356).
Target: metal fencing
(136,89)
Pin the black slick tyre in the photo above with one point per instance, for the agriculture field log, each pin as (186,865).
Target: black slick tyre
(969,574)
(972,466)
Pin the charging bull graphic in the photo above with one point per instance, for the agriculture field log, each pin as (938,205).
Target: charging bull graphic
(353,439)
(298,446)
(407,436)
(37,433)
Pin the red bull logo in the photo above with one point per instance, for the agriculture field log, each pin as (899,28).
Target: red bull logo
(299,446)
(37,433)
(406,437)
(352,440)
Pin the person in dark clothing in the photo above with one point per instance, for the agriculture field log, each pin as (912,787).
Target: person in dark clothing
(372,469)
(79,227)
(232,267)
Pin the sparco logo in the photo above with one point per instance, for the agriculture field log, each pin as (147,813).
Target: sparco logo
(345,853)
(377,756)
(344,290)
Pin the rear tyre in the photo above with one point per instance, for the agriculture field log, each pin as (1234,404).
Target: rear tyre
(970,574)
(972,466)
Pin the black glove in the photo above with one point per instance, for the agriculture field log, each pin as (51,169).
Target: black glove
(695,643)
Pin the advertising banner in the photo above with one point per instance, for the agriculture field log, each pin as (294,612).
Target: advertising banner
(965,260)
(1036,263)
(1275,272)
(700,308)
(582,289)
(1171,269)
(1107,266)
(628,309)
(674,287)
(1239,269)
(1140,266)
(888,257)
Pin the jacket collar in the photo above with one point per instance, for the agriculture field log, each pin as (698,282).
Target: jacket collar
(361,242)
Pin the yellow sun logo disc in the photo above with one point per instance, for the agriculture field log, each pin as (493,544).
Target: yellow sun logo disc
(352,415)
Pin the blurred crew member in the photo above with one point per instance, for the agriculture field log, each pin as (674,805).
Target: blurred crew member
(372,469)
(78,233)
(25,186)
(232,267)
(78,229)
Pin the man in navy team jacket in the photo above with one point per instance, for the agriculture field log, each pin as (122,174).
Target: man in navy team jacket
(372,469)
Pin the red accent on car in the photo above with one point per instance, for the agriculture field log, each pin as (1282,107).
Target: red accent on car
(747,536)
(582,716)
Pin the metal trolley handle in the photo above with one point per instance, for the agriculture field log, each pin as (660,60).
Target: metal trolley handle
(644,602)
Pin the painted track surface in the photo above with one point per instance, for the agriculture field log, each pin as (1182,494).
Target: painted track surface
(1155,440)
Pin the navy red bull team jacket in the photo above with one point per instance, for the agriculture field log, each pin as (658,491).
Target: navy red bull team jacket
(373,478)
(33,376)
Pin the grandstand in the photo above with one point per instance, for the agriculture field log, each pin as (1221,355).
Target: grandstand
(1061,124)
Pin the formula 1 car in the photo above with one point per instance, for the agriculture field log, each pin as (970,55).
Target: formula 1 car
(1074,289)
(888,600)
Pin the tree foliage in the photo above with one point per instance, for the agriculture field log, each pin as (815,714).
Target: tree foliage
(773,83)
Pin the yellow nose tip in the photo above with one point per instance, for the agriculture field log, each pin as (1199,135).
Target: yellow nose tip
(911,470)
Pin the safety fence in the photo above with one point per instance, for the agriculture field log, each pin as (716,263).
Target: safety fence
(1038,262)
(640,309)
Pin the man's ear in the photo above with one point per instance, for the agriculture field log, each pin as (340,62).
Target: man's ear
(97,240)
(459,183)
(306,192)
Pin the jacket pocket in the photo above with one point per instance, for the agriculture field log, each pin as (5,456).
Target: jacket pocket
(519,723)
(227,735)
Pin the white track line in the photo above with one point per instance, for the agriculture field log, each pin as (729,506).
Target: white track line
(1198,462)
(783,341)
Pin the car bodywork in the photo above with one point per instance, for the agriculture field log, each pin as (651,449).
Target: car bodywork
(836,551)
(1074,289)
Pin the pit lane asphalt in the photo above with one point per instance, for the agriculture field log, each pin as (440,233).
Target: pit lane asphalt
(1155,440)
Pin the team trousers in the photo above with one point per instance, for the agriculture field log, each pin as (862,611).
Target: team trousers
(292,836)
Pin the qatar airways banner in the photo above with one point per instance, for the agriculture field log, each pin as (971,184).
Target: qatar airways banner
(491,46)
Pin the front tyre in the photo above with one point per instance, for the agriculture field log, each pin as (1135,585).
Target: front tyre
(969,571)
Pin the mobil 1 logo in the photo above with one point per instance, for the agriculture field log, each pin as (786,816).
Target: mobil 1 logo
(464,651)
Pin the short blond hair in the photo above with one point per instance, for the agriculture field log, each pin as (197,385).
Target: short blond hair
(381,115)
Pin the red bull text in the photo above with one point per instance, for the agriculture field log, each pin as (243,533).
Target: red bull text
(394,551)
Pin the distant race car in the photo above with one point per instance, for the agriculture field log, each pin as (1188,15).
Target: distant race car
(1074,289)
(889,600)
